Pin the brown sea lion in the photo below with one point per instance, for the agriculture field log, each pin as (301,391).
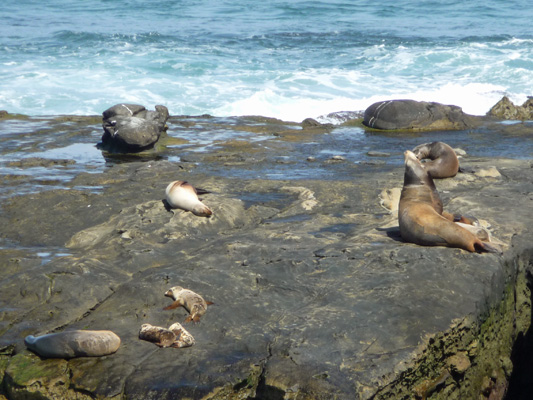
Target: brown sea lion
(420,214)
(443,160)
(181,194)
(75,343)
(192,302)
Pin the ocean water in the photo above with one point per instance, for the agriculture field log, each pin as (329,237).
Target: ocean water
(284,59)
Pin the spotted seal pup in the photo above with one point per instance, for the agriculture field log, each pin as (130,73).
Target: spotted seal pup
(191,301)
(175,336)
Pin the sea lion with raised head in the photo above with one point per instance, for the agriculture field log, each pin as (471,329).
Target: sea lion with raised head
(181,194)
(76,343)
(191,301)
(420,214)
(443,162)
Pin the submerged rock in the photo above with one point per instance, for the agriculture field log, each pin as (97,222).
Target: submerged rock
(132,128)
(416,115)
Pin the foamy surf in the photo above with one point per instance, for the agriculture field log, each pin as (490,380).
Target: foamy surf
(284,62)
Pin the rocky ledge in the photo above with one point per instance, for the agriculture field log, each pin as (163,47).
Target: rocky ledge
(315,294)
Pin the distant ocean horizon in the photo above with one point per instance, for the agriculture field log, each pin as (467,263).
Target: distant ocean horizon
(283,59)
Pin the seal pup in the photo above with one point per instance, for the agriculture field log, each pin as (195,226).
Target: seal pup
(181,194)
(175,336)
(421,218)
(443,160)
(76,343)
(161,337)
(183,337)
(191,301)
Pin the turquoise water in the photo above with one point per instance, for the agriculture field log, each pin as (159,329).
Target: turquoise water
(284,59)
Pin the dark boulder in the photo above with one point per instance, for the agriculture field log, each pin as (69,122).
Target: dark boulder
(132,128)
(416,115)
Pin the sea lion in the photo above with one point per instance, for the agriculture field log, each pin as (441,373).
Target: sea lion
(77,343)
(444,162)
(192,302)
(420,213)
(181,194)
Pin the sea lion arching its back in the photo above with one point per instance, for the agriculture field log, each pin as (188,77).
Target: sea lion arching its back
(443,160)
(421,219)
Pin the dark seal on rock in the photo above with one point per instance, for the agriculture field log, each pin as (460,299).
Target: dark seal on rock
(78,343)
(416,115)
(132,128)
(421,218)
(443,160)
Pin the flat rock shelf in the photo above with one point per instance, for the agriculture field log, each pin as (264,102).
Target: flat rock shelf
(315,294)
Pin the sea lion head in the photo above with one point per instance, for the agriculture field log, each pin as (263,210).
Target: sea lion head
(415,174)
(172,292)
(423,150)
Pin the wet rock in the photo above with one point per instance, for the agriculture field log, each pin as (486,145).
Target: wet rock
(27,376)
(132,128)
(416,115)
(316,295)
(378,154)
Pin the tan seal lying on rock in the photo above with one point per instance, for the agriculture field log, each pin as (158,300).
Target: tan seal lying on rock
(444,162)
(78,343)
(192,302)
(181,194)
(421,218)
(175,336)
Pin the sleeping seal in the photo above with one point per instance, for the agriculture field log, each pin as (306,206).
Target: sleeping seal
(175,336)
(181,194)
(77,343)
(192,302)
(421,218)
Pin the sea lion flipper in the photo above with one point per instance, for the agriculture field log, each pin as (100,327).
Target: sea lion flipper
(209,303)
(488,247)
(174,305)
(188,319)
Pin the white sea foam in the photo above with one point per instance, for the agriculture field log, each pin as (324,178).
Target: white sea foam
(283,70)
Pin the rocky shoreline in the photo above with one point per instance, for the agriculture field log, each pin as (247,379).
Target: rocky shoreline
(315,294)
